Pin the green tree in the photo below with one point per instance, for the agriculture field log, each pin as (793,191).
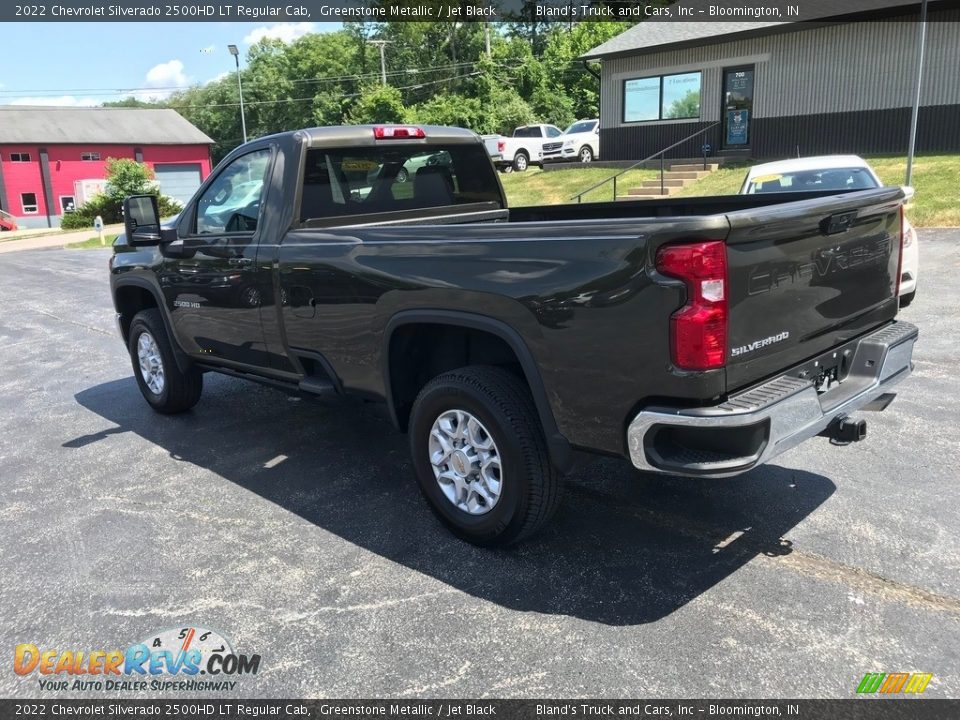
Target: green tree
(686,107)
(127,177)
(378,104)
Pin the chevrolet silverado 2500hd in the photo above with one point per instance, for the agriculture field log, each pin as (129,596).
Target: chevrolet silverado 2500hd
(694,336)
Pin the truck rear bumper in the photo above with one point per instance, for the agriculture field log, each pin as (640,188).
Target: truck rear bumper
(758,424)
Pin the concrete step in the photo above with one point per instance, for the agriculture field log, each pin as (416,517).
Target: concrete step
(652,191)
(686,174)
(667,182)
(696,166)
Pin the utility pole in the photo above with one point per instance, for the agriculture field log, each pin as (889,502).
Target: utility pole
(382,44)
(486,36)
(243,120)
(921,43)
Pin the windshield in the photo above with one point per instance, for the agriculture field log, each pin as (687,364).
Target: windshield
(528,132)
(391,179)
(855,178)
(581,127)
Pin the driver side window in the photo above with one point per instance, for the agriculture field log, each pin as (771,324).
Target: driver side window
(232,202)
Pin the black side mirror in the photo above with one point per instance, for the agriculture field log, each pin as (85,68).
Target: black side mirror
(141,218)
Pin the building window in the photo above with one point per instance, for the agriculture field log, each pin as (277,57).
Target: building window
(663,97)
(29,203)
(67,204)
(90,156)
(19,157)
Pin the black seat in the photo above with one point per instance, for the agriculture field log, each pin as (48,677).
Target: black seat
(433,186)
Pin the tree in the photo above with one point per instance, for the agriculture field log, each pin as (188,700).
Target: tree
(127,177)
(378,104)
(687,106)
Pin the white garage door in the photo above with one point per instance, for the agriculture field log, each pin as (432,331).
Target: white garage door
(179,181)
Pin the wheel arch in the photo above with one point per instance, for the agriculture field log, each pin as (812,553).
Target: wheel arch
(130,296)
(559,447)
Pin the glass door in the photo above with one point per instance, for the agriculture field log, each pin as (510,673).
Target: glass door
(737,106)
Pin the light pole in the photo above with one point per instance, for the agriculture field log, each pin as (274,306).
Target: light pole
(914,115)
(243,120)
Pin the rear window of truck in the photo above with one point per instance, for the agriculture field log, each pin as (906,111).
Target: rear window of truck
(341,182)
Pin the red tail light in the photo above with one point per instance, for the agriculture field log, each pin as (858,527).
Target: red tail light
(501,145)
(396,132)
(698,330)
(904,229)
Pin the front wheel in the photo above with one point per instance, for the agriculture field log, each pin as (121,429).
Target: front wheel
(480,456)
(162,383)
(586,154)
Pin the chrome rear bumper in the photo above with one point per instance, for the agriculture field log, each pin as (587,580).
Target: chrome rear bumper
(758,424)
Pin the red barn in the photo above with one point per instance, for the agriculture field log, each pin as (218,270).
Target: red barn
(53,159)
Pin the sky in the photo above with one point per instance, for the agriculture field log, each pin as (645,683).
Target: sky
(77,64)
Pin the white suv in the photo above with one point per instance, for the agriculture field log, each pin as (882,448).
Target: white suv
(580,141)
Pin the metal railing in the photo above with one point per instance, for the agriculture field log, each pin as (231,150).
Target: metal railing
(613,178)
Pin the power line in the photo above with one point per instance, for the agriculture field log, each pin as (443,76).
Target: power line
(252,83)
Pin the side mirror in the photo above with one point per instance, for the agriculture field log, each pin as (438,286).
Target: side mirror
(141,219)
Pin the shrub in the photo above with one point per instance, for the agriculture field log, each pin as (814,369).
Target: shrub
(125,177)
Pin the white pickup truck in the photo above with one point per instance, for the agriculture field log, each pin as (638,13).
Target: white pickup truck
(525,148)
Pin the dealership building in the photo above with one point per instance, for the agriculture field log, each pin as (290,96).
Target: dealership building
(780,89)
(54,159)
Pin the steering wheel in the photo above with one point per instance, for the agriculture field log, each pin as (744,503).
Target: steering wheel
(244,220)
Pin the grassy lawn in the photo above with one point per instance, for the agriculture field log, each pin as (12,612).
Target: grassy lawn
(93,242)
(936,179)
(535,187)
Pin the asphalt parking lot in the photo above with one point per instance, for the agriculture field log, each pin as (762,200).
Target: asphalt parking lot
(294,527)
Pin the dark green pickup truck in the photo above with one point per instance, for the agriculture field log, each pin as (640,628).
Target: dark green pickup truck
(694,336)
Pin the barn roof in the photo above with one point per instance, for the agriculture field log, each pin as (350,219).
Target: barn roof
(106,126)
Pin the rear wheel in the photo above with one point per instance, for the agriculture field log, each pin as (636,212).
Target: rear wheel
(402,175)
(480,456)
(162,383)
(520,161)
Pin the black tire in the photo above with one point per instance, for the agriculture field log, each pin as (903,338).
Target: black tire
(905,300)
(585,154)
(530,485)
(402,175)
(521,161)
(180,391)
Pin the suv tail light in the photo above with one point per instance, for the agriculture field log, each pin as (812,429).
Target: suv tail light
(698,330)
(396,132)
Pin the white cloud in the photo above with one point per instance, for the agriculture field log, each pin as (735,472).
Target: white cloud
(165,77)
(57,101)
(221,76)
(287,32)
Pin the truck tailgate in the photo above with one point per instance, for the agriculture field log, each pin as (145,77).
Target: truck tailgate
(807,276)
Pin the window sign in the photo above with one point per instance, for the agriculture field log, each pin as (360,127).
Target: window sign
(641,99)
(664,97)
(738,122)
(681,96)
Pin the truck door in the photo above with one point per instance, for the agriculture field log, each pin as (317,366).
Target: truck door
(215,290)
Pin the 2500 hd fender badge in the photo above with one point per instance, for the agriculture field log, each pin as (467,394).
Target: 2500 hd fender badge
(757,344)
